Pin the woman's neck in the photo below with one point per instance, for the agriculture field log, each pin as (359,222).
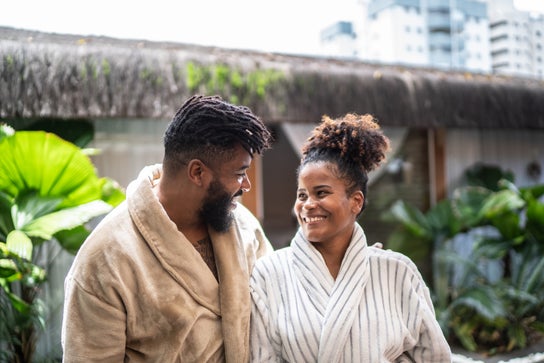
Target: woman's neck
(333,256)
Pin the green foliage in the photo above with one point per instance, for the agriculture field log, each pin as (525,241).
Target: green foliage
(489,296)
(77,132)
(49,190)
(234,84)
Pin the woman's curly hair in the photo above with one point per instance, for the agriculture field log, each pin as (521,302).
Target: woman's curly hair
(355,144)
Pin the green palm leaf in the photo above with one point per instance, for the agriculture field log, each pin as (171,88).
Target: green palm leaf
(46,226)
(484,300)
(36,160)
(19,244)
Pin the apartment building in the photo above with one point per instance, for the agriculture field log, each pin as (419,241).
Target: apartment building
(516,41)
(449,34)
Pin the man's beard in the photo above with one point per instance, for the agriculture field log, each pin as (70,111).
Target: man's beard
(216,207)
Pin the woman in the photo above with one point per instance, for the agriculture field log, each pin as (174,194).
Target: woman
(329,297)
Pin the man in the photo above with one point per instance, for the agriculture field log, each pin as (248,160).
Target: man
(164,277)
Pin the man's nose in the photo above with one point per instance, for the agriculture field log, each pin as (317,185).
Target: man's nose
(246,184)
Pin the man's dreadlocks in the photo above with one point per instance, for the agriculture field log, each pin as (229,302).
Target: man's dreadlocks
(207,127)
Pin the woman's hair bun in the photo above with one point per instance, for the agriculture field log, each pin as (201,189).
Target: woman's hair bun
(357,138)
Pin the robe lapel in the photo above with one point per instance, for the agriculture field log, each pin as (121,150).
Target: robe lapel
(171,248)
(312,273)
(335,302)
(345,299)
(233,293)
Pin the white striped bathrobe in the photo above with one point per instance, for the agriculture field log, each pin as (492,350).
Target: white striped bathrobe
(377,310)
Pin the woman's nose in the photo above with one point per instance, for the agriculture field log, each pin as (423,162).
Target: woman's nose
(309,203)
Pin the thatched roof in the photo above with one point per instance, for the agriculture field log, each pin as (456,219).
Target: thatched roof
(69,76)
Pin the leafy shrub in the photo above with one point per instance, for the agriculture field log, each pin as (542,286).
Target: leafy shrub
(49,190)
(486,245)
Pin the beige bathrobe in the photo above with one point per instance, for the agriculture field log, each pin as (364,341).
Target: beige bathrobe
(139,292)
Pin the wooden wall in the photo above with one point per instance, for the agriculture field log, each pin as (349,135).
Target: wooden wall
(510,149)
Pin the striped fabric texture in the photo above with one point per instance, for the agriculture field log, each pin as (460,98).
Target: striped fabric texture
(377,310)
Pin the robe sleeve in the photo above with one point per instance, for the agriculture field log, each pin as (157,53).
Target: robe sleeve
(262,337)
(431,345)
(93,330)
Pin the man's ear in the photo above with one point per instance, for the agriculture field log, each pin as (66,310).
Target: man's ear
(198,172)
(357,199)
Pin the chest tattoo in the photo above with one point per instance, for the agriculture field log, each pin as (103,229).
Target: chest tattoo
(205,248)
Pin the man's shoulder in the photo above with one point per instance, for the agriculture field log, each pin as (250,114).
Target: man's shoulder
(248,225)
(243,215)
(109,235)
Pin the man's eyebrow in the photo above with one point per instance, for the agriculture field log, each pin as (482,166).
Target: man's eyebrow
(244,167)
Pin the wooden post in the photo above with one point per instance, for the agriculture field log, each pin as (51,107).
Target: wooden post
(437,164)
(253,199)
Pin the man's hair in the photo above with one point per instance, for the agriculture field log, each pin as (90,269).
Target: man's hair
(207,127)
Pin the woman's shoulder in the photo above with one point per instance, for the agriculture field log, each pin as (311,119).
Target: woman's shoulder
(277,257)
(394,257)
(273,264)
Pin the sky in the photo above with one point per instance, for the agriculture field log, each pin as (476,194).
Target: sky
(287,26)
(290,26)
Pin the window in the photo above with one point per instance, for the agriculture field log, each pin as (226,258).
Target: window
(498,24)
(499,52)
(499,38)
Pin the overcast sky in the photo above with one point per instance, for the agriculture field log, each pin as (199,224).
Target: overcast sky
(290,26)
(271,25)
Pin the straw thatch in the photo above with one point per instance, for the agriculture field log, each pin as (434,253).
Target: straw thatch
(67,76)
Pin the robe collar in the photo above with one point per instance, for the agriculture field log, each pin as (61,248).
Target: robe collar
(230,297)
(337,301)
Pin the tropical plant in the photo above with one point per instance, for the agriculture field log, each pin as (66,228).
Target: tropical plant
(49,190)
(487,248)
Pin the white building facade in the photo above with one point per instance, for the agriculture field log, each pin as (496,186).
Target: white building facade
(517,42)
(450,34)
(339,40)
(482,36)
(396,33)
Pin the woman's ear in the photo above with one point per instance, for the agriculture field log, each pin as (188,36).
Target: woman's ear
(198,172)
(357,199)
